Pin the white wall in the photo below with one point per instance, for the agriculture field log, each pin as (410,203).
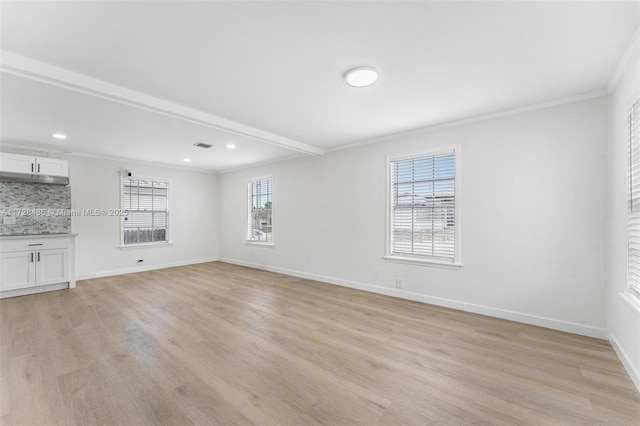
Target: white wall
(624,317)
(95,184)
(532,218)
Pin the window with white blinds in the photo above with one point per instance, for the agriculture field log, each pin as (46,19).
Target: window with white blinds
(423,207)
(634,200)
(147,204)
(260,203)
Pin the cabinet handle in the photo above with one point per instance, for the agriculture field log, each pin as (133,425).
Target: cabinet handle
(38,167)
(38,256)
(31,257)
(31,245)
(32,167)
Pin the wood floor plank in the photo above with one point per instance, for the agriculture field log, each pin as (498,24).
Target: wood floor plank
(221,344)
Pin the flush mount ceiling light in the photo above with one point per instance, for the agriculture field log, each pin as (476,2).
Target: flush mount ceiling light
(361,76)
(231,146)
(187,160)
(59,136)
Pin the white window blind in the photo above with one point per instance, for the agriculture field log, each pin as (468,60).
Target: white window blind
(147,204)
(260,203)
(422,216)
(634,199)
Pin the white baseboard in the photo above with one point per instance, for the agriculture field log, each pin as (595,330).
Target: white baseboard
(32,290)
(144,268)
(624,358)
(569,327)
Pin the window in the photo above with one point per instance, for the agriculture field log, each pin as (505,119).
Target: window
(147,204)
(422,208)
(260,204)
(633,272)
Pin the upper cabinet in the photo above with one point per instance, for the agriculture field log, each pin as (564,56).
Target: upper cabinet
(17,163)
(52,166)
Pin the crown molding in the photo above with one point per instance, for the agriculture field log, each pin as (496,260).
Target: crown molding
(141,162)
(625,61)
(469,120)
(260,164)
(21,66)
(39,150)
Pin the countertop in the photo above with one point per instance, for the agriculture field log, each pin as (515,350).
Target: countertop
(35,236)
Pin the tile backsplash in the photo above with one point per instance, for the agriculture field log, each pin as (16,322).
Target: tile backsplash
(36,207)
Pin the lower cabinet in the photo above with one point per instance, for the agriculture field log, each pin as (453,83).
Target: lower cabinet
(33,268)
(34,264)
(18,270)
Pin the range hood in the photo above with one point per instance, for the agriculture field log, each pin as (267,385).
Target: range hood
(32,178)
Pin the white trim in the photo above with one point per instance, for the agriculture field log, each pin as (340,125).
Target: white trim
(423,262)
(262,177)
(629,297)
(169,183)
(566,326)
(440,150)
(249,182)
(33,290)
(261,163)
(141,162)
(259,244)
(144,268)
(634,374)
(56,153)
(625,61)
(22,66)
(22,149)
(468,120)
(154,244)
(631,300)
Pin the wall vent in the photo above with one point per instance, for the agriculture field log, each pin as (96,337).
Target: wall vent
(202,145)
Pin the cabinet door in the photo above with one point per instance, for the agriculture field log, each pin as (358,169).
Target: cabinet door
(52,166)
(52,266)
(16,163)
(18,270)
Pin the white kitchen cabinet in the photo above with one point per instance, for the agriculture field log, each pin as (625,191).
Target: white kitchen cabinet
(52,266)
(18,270)
(52,166)
(30,265)
(17,163)
(33,268)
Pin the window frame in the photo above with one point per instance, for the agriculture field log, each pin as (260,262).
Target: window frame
(633,286)
(167,241)
(430,262)
(249,182)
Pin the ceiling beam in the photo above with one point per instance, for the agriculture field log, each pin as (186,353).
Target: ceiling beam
(60,77)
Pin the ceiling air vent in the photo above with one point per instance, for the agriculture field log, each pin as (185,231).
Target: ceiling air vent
(202,145)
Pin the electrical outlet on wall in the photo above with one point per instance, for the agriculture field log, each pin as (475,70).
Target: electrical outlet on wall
(399,283)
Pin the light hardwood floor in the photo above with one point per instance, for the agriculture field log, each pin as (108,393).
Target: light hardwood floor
(221,344)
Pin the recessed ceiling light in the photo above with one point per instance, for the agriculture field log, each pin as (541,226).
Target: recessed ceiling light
(59,136)
(361,76)
(231,146)
(187,160)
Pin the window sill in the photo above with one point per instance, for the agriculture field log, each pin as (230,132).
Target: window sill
(141,245)
(423,262)
(259,244)
(632,301)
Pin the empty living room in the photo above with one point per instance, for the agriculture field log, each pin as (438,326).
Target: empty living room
(344,212)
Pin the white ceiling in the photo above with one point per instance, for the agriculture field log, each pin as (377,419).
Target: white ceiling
(271,72)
